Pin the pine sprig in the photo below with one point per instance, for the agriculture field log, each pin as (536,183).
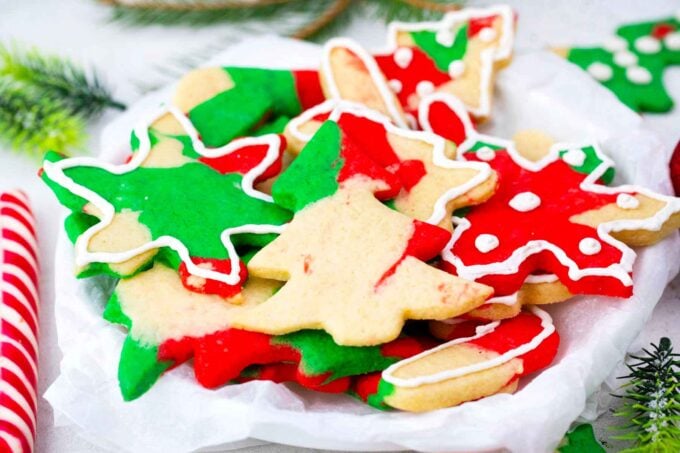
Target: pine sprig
(651,402)
(80,93)
(33,122)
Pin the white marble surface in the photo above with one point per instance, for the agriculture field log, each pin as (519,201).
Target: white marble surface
(127,56)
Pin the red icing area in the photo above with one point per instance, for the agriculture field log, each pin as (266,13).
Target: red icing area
(222,356)
(308,87)
(366,385)
(661,30)
(515,332)
(557,185)
(477,24)
(358,163)
(213,286)
(245,159)
(421,68)
(675,170)
(406,347)
(446,122)
(288,372)
(426,242)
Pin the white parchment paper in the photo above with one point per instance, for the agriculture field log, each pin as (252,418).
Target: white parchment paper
(538,90)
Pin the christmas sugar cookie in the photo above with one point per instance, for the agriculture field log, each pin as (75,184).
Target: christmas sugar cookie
(168,325)
(631,63)
(465,369)
(560,222)
(226,103)
(156,308)
(190,213)
(352,266)
(458,55)
(433,184)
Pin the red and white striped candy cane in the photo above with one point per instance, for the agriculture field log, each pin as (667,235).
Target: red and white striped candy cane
(18,324)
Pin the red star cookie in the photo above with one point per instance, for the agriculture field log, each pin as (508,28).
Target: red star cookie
(557,216)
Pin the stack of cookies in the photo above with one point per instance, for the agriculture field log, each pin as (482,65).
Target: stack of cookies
(346,228)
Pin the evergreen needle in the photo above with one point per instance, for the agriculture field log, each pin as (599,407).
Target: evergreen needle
(651,401)
(80,93)
(32,122)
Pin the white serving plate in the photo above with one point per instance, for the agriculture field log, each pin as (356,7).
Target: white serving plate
(538,90)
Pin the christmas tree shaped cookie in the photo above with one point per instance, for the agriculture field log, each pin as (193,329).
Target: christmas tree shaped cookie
(457,55)
(560,224)
(352,266)
(191,211)
(632,62)
(433,184)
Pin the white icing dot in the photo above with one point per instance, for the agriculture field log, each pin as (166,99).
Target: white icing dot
(487,34)
(485,153)
(638,75)
(403,57)
(615,43)
(424,88)
(456,68)
(525,202)
(600,71)
(647,44)
(486,242)
(626,201)
(574,157)
(395,85)
(589,246)
(445,37)
(625,58)
(672,40)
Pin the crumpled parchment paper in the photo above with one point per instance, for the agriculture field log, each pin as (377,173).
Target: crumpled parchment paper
(539,90)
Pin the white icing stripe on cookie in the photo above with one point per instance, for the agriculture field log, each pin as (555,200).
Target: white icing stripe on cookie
(547,329)
(620,271)
(389,100)
(541,278)
(55,171)
(338,108)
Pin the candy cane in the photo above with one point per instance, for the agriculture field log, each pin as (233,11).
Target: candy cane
(18,324)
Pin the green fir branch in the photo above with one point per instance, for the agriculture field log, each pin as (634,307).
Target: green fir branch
(33,122)
(651,401)
(80,93)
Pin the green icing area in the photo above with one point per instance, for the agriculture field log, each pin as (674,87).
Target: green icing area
(138,366)
(321,355)
(256,94)
(377,400)
(313,175)
(442,55)
(590,163)
(195,211)
(638,95)
(581,440)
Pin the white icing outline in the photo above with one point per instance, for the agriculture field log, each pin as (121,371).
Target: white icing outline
(337,108)
(55,171)
(388,97)
(547,329)
(620,271)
